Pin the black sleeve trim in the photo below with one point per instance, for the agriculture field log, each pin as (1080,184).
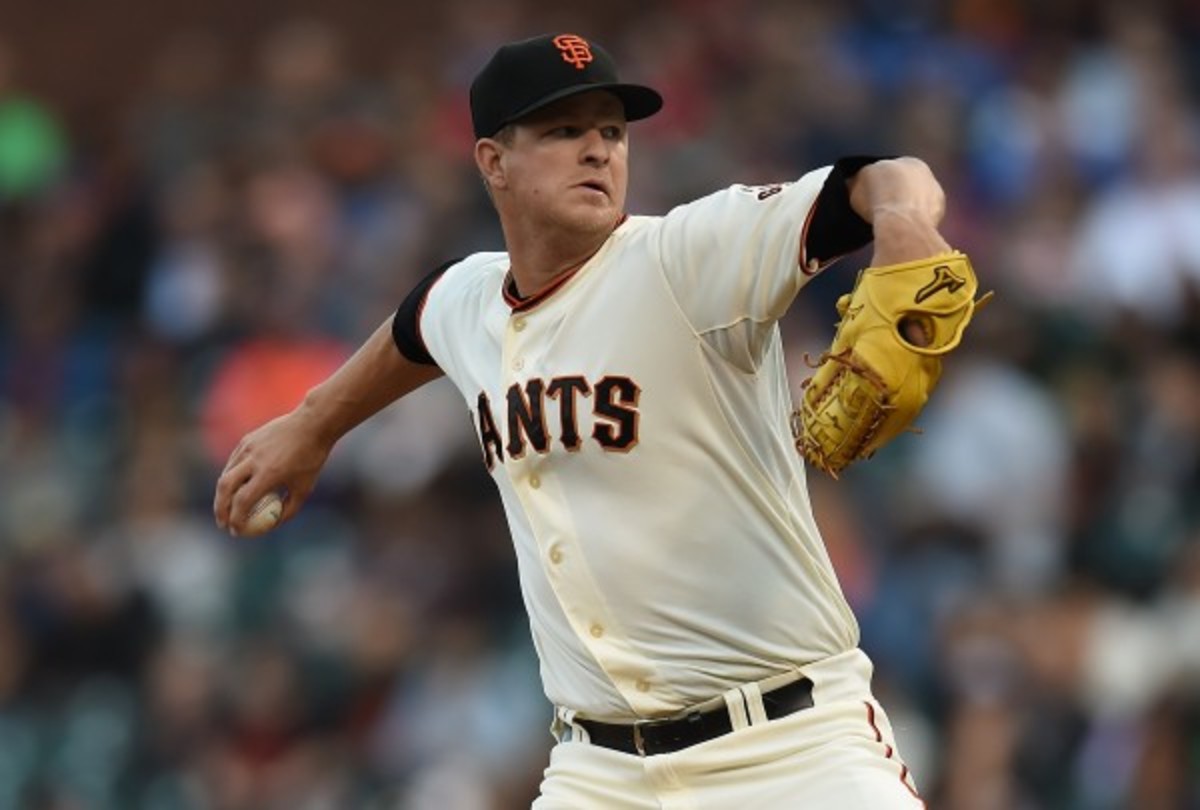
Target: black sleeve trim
(835,229)
(406,326)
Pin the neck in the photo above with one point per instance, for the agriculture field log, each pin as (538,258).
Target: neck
(538,259)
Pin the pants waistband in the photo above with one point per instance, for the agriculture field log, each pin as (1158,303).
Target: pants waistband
(743,706)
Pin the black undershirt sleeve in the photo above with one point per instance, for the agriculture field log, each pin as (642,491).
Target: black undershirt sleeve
(406,326)
(836,229)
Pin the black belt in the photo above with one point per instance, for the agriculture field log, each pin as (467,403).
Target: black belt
(649,737)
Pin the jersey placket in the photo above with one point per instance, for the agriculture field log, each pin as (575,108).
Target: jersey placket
(536,484)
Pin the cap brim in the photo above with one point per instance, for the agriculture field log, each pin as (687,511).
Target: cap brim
(639,101)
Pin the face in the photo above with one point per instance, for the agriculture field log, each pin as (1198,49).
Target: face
(565,165)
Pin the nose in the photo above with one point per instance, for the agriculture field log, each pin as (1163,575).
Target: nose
(595,148)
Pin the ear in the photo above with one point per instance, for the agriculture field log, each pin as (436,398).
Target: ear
(489,158)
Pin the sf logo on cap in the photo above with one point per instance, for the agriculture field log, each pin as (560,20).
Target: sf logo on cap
(575,50)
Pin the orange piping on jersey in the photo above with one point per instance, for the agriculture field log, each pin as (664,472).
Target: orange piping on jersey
(803,258)
(526,304)
(888,754)
(805,267)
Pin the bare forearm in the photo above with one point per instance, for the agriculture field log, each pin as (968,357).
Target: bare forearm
(900,185)
(373,378)
(287,454)
(904,203)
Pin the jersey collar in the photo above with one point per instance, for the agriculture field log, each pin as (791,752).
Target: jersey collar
(519,304)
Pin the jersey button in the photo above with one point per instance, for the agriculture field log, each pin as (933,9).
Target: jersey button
(519,324)
(518,364)
(556,555)
(534,481)
(643,685)
(596,631)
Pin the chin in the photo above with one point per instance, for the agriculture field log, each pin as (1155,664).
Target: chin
(592,219)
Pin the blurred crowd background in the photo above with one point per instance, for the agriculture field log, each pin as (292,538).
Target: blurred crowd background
(203,210)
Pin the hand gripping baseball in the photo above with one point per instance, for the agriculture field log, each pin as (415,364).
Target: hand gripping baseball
(876,377)
(269,476)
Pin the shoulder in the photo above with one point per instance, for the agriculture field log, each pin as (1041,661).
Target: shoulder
(477,266)
(471,274)
(749,199)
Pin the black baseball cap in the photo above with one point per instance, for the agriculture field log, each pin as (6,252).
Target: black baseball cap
(525,76)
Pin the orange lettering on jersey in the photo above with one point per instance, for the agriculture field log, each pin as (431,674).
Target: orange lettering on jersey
(526,417)
(489,436)
(568,414)
(615,417)
(616,401)
(575,50)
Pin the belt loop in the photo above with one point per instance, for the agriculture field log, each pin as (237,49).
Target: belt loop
(754,703)
(566,717)
(735,704)
(556,726)
(639,743)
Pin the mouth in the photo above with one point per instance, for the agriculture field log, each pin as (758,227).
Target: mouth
(593,185)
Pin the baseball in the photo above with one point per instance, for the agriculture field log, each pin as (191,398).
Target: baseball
(265,515)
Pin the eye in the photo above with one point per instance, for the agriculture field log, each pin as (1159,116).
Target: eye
(565,131)
(612,132)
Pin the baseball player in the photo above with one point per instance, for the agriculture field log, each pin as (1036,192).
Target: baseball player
(625,378)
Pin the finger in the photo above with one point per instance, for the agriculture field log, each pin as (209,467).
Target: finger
(291,503)
(245,499)
(230,482)
(237,455)
(293,499)
(917,331)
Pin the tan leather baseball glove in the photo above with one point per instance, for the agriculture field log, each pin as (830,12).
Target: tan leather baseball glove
(886,358)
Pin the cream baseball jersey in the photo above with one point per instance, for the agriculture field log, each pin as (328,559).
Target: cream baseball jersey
(634,416)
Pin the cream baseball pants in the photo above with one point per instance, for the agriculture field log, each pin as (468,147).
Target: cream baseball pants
(839,754)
